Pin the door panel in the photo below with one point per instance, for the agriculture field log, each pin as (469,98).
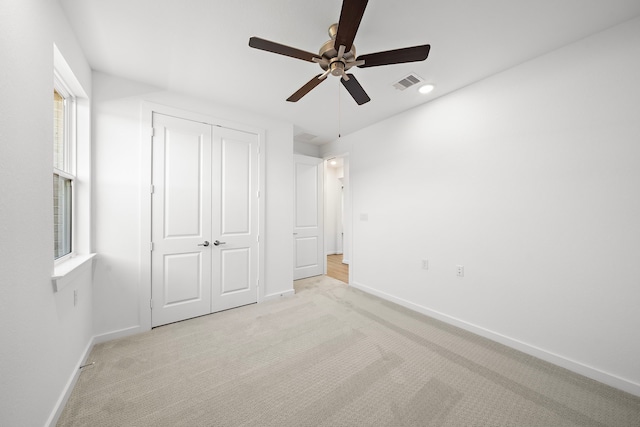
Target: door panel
(182,278)
(181,219)
(308,244)
(235,223)
(236,268)
(236,185)
(306,251)
(183,183)
(306,194)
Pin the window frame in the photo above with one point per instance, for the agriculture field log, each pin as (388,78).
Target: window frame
(69,157)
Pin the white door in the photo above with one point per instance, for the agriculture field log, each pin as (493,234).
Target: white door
(308,246)
(204,219)
(235,219)
(181,220)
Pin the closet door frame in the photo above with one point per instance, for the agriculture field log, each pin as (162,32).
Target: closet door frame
(146,129)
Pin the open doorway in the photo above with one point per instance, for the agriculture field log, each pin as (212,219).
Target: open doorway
(337,269)
(336,229)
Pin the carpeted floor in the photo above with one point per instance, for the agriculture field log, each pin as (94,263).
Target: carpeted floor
(331,356)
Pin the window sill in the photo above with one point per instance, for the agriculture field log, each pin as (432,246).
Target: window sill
(67,271)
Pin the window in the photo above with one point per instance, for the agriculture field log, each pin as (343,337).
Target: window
(71,172)
(63,172)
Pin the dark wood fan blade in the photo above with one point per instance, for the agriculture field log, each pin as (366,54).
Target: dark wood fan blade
(350,17)
(306,89)
(269,46)
(353,86)
(397,56)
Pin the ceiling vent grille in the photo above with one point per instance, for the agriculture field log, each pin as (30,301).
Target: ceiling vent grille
(410,80)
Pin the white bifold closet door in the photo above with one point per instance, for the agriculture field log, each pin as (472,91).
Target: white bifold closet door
(204,219)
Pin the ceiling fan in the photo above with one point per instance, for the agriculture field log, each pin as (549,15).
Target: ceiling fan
(338,55)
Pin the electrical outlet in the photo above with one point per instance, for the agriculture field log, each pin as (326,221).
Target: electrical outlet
(425,264)
(460,270)
(75,297)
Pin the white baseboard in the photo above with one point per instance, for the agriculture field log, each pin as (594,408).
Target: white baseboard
(285,294)
(577,367)
(117,334)
(66,392)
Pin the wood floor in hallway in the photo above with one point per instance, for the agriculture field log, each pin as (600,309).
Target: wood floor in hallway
(336,269)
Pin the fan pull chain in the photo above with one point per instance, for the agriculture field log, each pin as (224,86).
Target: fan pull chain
(339,110)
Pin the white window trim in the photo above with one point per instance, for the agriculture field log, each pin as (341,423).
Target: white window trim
(67,268)
(66,272)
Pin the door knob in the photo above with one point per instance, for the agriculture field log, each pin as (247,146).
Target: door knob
(206,243)
(218,242)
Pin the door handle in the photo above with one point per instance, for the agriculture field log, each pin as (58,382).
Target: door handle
(206,243)
(218,242)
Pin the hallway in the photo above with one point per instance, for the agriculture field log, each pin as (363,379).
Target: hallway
(336,269)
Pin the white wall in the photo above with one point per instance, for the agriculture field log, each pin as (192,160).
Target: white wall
(531,180)
(306,149)
(117,154)
(43,336)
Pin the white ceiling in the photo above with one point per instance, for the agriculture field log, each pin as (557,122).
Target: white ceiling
(200,48)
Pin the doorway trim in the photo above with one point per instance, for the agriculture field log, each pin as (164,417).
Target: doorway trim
(146,120)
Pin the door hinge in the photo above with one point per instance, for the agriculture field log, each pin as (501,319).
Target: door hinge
(153,132)
(151,247)
(151,303)
(258,238)
(258,195)
(153,188)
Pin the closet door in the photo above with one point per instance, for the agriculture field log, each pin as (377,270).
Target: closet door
(181,219)
(205,219)
(235,219)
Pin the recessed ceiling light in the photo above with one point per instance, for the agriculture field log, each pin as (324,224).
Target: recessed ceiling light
(333,163)
(424,89)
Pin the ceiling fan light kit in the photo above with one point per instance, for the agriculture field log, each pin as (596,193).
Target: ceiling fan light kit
(338,55)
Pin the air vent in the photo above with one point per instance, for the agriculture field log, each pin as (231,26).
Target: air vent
(410,80)
(304,137)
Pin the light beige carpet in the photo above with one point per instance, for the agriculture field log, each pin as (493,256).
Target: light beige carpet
(331,356)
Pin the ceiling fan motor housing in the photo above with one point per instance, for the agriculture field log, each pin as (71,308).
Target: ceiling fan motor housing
(329,52)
